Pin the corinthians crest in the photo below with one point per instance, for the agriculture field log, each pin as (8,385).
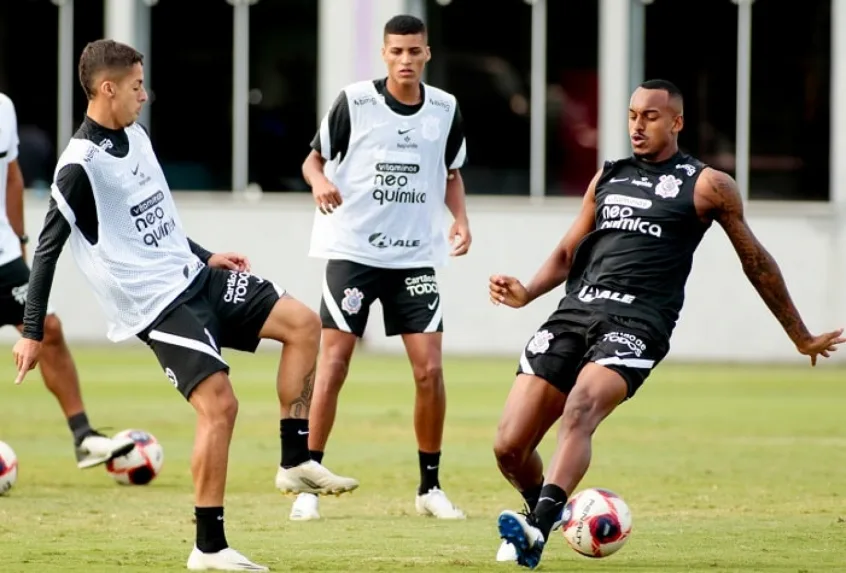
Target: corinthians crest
(668,186)
(431,128)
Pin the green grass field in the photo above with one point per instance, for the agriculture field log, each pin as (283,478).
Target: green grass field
(725,469)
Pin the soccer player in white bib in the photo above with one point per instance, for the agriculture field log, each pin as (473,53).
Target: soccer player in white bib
(383,169)
(57,366)
(111,200)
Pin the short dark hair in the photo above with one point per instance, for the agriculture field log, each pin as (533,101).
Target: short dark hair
(105,55)
(405,25)
(666,85)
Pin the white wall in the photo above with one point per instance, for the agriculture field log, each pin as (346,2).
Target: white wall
(722,320)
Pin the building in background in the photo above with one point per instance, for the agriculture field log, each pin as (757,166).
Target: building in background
(298,53)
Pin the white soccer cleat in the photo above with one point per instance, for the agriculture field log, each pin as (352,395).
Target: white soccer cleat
(305,508)
(97,449)
(226,560)
(506,553)
(312,477)
(435,503)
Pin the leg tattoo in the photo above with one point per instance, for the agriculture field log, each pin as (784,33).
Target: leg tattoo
(301,404)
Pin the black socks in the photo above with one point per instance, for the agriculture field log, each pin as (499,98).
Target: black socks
(532,495)
(316,456)
(294,436)
(79,427)
(210,535)
(428,471)
(549,508)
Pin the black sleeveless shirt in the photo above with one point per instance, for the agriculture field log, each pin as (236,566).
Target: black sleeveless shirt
(636,262)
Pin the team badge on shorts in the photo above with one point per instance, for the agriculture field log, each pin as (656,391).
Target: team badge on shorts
(540,342)
(172,377)
(20,292)
(351,303)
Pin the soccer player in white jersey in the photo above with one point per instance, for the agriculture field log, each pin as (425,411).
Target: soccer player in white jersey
(383,164)
(57,366)
(111,200)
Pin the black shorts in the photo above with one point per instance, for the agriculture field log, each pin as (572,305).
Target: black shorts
(227,309)
(573,336)
(410,299)
(14,284)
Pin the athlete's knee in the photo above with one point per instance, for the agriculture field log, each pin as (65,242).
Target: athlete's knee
(428,374)
(331,372)
(584,410)
(577,414)
(214,400)
(509,452)
(53,335)
(597,392)
(307,326)
(292,322)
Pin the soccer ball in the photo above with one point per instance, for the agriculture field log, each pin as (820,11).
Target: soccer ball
(8,467)
(596,522)
(142,464)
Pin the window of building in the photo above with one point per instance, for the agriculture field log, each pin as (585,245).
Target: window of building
(572,136)
(29,77)
(701,59)
(191,92)
(486,64)
(283,94)
(791,101)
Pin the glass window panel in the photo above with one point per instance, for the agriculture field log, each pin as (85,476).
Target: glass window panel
(701,59)
(191,92)
(283,95)
(572,96)
(29,77)
(488,71)
(790,101)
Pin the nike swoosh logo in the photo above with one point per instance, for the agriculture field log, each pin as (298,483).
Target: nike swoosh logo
(618,353)
(618,180)
(300,432)
(404,131)
(431,467)
(135,171)
(434,303)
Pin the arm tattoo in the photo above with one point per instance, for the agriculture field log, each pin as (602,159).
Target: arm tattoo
(760,267)
(302,403)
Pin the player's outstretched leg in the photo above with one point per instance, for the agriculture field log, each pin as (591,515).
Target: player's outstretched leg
(60,377)
(216,406)
(332,367)
(598,390)
(298,327)
(531,408)
(424,353)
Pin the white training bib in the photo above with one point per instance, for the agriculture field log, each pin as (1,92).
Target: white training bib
(142,260)
(393,182)
(10,244)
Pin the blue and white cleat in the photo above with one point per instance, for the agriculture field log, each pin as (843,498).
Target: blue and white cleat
(527,540)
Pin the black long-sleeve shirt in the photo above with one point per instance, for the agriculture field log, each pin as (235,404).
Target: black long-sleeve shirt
(74,185)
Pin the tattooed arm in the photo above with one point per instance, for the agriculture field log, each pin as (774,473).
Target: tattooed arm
(718,198)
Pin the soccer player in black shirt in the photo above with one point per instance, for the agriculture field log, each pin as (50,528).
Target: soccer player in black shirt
(625,259)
